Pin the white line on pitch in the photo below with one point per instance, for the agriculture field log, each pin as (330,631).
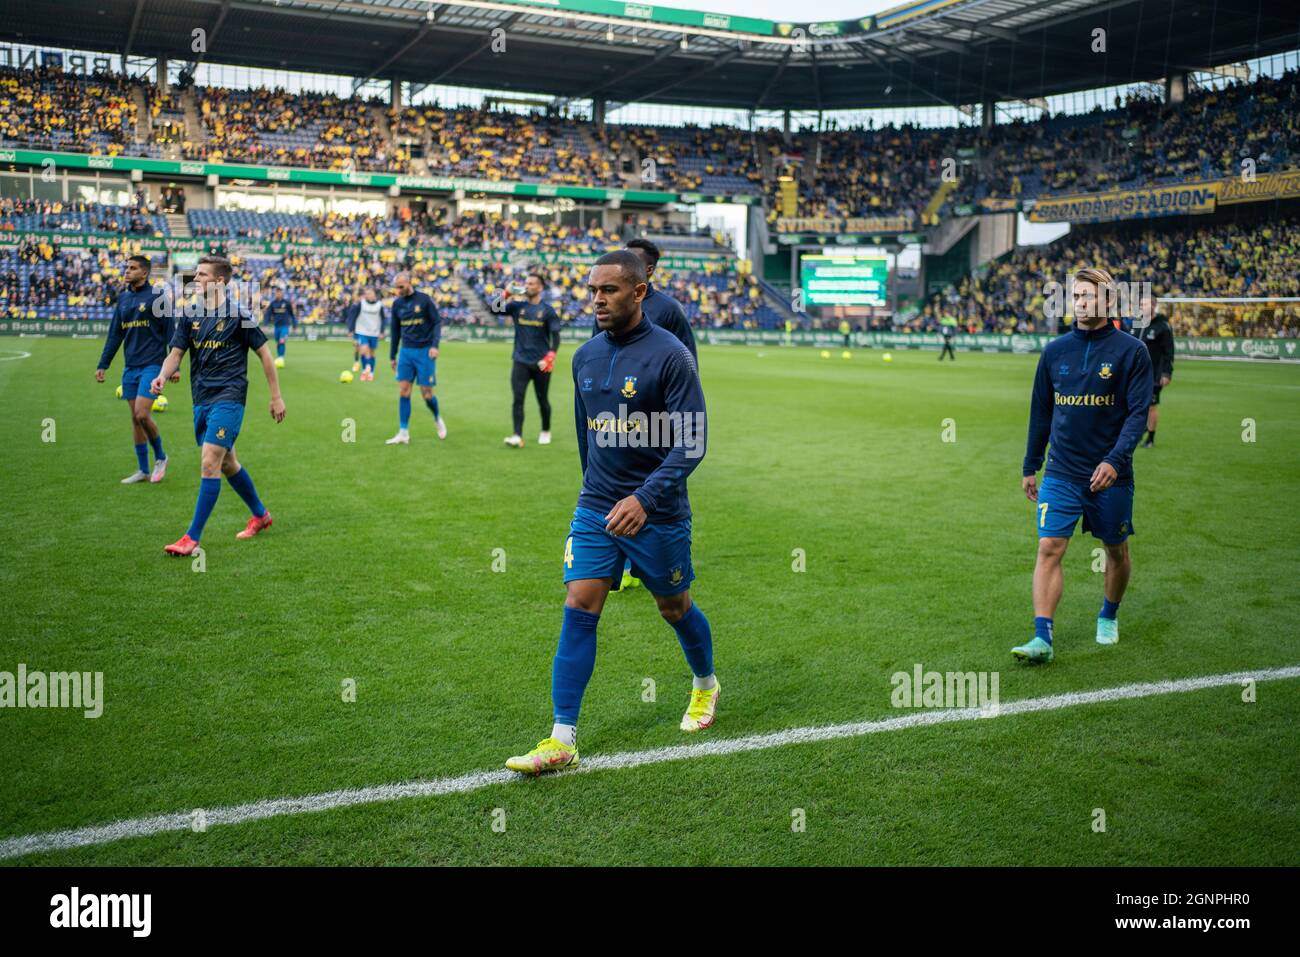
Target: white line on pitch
(284,807)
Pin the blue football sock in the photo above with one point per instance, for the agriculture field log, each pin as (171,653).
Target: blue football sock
(242,483)
(575,658)
(156,442)
(1043,628)
(279,349)
(432,403)
(1109,609)
(404,411)
(209,489)
(142,455)
(696,639)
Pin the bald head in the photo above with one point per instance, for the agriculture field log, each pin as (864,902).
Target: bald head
(402,283)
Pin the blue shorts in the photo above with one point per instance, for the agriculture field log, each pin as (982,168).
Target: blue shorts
(1107,514)
(414,365)
(281,333)
(136,379)
(218,423)
(660,554)
(370,341)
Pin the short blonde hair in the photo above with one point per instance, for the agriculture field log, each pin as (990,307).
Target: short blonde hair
(1105,284)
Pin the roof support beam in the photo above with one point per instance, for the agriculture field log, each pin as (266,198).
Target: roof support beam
(771,84)
(472,54)
(663,53)
(420,34)
(135,25)
(687,77)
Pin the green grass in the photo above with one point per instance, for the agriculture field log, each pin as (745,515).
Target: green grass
(224,687)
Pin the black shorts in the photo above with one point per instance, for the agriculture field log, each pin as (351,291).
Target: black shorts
(1155,393)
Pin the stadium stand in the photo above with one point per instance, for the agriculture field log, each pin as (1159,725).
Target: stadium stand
(18,215)
(46,108)
(305,129)
(238,223)
(40,280)
(1224,259)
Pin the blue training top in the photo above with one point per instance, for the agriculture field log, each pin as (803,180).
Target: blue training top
(537,330)
(626,391)
(219,341)
(1091,395)
(280,312)
(416,323)
(143,327)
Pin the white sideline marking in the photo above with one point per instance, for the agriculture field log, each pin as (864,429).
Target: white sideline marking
(284,807)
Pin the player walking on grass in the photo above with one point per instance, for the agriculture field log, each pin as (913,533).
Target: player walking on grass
(537,340)
(627,382)
(369,330)
(218,341)
(145,330)
(417,330)
(667,313)
(1159,340)
(1091,395)
(280,313)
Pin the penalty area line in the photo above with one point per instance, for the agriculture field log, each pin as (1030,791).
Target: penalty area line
(383,793)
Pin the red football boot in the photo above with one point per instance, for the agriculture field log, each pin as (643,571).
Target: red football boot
(255,525)
(185,546)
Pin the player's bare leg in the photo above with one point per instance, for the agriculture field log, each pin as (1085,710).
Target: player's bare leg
(1049,580)
(1119,566)
(1049,583)
(1153,420)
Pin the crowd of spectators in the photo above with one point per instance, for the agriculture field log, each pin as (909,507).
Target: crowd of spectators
(716,159)
(20,215)
(46,108)
(41,280)
(1251,259)
(273,127)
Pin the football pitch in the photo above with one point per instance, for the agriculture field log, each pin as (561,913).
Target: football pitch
(853,519)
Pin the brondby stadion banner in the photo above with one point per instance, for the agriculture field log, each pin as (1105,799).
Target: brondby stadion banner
(579,330)
(1144,203)
(1178,199)
(126,244)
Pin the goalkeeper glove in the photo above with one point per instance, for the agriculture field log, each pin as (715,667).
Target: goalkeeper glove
(547,362)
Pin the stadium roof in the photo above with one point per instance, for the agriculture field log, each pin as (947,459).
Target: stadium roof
(925,53)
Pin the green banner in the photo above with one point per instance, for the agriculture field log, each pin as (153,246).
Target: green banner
(293,174)
(1284,350)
